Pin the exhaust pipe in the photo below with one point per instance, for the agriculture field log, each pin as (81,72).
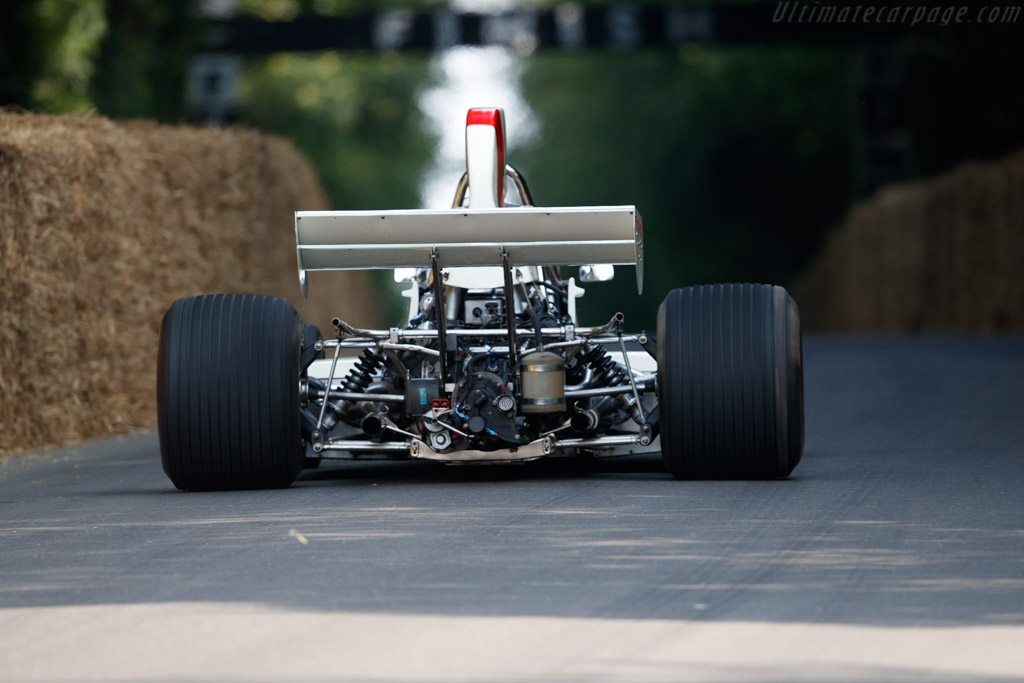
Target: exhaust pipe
(374,424)
(583,421)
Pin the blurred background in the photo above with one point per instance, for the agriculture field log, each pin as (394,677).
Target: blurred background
(743,140)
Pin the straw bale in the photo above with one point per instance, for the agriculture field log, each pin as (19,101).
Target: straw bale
(939,255)
(102,225)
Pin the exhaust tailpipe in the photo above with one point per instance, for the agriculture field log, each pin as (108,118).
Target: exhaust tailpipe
(583,421)
(374,424)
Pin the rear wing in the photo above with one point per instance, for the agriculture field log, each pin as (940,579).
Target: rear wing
(528,236)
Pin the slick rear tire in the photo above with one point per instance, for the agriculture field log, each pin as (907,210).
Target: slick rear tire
(730,382)
(228,392)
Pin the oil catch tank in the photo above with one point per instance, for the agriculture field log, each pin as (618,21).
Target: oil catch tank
(543,382)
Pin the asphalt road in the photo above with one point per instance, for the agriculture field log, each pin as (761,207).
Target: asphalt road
(896,551)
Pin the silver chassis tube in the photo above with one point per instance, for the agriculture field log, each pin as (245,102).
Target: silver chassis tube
(545,446)
(370,343)
(420,450)
(367,338)
(367,335)
(606,391)
(356,396)
(569,393)
(600,442)
(320,420)
(409,347)
(366,445)
(512,174)
(632,384)
(579,342)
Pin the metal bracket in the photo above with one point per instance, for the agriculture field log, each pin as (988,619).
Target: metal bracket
(439,315)
(510,311)
(318,433)
(317,439)
(529,451)
(632,380)
(649,344)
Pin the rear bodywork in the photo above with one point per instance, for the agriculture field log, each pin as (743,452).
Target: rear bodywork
(492,364)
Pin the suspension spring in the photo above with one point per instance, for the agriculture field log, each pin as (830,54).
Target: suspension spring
(606,371)
(360,377)
(356,381)
(609,373)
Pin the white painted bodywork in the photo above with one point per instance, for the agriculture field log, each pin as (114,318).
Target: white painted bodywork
(485,170)
(531,236)
(488,277)
(574,292)
(482,165)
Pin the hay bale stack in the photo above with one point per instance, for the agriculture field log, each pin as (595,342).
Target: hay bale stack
(102,225)
(945,254)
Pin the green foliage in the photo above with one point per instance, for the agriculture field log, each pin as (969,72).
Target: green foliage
(69,32)
(20,60)
(285,10)
(47,50)
(354,117)
(126,58)
(357,121)
(738,159)
(144,59)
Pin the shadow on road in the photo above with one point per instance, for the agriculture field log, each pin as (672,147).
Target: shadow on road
(419,472)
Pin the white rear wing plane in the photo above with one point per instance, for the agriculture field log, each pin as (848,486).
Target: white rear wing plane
(526,236)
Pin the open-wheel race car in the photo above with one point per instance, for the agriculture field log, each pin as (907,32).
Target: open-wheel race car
(492,365)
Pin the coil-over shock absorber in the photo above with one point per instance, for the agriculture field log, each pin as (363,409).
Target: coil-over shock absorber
(360,376)
(607,373)
(356,381)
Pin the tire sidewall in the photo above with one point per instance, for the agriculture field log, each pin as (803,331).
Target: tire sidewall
(228,392)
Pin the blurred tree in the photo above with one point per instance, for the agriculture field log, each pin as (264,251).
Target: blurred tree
(357,120)
(356,116)
(144,58)
(285,10)
(69,33)
(738,158)
(21,54)
(49,47)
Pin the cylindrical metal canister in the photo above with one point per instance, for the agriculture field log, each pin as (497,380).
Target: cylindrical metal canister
(543,382)
(454,302)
